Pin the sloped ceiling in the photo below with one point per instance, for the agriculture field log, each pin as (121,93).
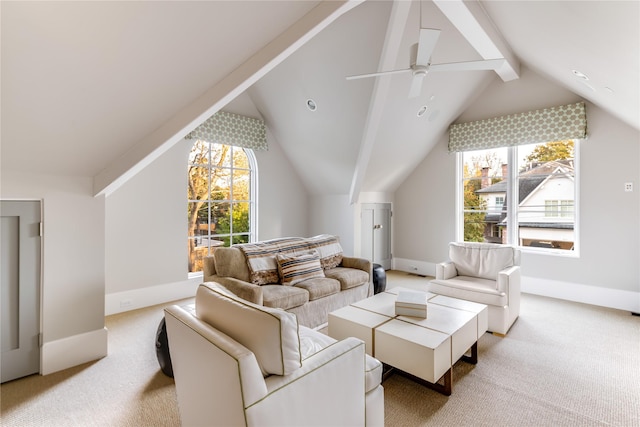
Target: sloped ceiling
(84,82)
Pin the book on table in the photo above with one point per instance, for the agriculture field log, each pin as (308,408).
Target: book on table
(411,303)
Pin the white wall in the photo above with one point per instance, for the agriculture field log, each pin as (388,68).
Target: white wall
(146,225)
(146,243)
(606,271)
(72,314)
(283,203)
(333,214)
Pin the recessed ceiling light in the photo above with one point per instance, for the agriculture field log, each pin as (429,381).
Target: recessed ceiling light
(580,74)
(311,105)
(422,110)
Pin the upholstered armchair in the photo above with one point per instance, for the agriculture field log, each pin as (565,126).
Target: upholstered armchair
(237,363)
(486,273)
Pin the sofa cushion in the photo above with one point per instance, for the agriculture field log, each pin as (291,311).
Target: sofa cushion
(482,260)
(319,287)
(284,297)
(348,277)
(261,257)
(312,341)
(271,334)
(329,249)
(471,289)
(372,374)
(296,268)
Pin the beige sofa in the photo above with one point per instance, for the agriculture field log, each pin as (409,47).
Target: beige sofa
(309,277)
(487,273)
(242,364)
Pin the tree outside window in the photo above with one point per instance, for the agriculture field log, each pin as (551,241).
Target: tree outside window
(220,207)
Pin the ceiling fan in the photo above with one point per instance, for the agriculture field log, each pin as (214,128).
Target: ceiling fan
(422,65)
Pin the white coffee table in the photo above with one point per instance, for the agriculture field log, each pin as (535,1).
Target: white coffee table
(427,348)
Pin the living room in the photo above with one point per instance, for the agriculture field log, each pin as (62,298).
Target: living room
(114,203)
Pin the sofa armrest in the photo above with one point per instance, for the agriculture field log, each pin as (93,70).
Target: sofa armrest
(334,377)
(446,270)
(509,280)
(245,290)
(359,263)
(208,268)
(509,283)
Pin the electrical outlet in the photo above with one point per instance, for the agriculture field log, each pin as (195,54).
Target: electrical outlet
(628,186)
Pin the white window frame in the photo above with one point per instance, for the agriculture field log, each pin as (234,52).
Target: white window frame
(253,199)
(512,204)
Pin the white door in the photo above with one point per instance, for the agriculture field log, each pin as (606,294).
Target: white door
(20,287)
(376,233)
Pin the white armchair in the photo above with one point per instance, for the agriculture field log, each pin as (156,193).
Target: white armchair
(486,273)
(237,363)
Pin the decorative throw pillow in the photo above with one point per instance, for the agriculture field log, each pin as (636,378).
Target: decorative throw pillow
(296,268)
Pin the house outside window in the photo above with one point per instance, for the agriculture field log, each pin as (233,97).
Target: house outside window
(540,177)
(221,208)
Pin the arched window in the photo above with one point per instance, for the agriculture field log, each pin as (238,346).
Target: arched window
(221,208)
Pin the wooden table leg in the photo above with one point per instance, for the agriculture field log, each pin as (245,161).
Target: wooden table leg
(473,359)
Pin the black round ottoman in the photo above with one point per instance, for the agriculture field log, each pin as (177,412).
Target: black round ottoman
(162,349)
(379,279)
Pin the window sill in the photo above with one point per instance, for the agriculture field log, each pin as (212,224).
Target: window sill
(549,252)
(195,275)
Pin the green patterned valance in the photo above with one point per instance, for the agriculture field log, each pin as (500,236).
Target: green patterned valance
(232,129)
(549,124)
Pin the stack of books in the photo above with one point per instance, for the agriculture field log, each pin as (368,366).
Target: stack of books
(411,303)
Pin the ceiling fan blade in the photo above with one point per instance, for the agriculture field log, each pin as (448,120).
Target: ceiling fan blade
(426,44)
(381,73)
(416,85)
(489,64)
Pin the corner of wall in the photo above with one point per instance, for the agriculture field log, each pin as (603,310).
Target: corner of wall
(73,351)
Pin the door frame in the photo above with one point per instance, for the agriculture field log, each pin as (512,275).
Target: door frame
(39,291)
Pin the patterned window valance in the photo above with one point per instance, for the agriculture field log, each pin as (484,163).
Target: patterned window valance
(550,124)
(232,129)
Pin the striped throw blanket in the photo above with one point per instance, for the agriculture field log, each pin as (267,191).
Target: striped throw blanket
(261,256)
(329,249)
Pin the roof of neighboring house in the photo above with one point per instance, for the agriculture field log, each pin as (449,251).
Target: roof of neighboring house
(528,182)
(532,178)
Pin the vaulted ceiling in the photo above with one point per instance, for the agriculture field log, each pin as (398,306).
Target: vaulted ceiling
(99,88)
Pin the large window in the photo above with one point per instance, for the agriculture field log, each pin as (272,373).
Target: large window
(221,199)
(523,195)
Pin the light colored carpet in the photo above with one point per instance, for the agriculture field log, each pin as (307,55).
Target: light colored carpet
(562,363)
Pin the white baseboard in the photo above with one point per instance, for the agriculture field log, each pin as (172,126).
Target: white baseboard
(594,295)
(73,351)
(119,302)
(416,267)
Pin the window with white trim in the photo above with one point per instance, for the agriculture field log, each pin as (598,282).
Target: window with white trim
(524,195)
(221,208)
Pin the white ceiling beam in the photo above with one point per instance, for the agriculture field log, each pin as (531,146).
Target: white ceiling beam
(171,132)
(389,55)
(472,21)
